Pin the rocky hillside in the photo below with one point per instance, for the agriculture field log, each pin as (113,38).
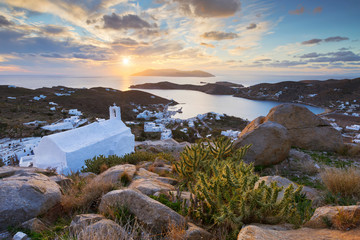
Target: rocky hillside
(306,185)
(219,88)
(19,105)
(173,73)
(329,94)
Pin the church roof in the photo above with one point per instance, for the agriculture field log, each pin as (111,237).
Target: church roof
(75,139)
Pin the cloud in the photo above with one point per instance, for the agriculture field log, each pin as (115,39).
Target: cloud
(286,63)
(12,41)
(298,11)
(340,56)
(311,41)
(310,55)
(4,21)
(336,39)
(207,45)
(217,35)
(318,10)
(91,56)
(264,60)
(52,29)
(209,8)
(52,55)
(329,39)
(251,26)
(126,42)
(128,21)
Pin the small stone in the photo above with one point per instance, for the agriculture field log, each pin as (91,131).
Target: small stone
(34,225)
(20,236)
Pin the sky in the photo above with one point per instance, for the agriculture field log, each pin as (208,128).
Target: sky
(120,37)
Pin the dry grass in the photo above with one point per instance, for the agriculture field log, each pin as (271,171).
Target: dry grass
(344,182)
(346,220)
(84,194)
(176,232)
(305,166)
(103,167)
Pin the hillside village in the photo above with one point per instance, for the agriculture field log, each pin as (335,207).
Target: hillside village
(290,173)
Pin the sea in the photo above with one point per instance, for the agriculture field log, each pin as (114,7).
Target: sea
(191,103)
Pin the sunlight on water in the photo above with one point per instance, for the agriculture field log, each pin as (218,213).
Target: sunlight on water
(192,102)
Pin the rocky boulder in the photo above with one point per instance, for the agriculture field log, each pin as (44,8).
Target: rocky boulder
(80,222)
(306,129)
(155,215)
(113,174)
(25,194)
(324,216)
(287,232)
(34,225)
(151,186)
(270,142)
(103,229)
(196,233)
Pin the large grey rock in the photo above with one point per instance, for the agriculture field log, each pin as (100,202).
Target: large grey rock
(143,173)
(150,186)
(113,174)
(306,129)
(80,222)
(103,229)
(25,195)
(310,193)
(34,225)
(322,215)
(270,142)
(196,233)
(61,180)
(286,232)
(155,215)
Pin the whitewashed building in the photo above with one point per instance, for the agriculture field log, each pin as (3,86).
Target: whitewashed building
(75,112)
(166,134)
(67,151)
(153,127)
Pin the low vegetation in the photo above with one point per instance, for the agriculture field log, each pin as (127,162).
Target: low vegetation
(84,195)
(226,191)
(343,185)
(101,163)
(346,220)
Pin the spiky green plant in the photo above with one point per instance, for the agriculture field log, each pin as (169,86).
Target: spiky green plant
(227,191)
(193,159)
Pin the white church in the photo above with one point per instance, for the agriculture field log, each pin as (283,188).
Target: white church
(67,151)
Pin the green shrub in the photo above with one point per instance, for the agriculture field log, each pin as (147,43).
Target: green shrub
(225,192)
(177,205)
(95,164)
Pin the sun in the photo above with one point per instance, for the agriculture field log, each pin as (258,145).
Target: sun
(126,61)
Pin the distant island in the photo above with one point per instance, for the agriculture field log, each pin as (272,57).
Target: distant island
(329,94)
(218,88)
(173,73)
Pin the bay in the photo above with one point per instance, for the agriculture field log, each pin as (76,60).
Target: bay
(191,102)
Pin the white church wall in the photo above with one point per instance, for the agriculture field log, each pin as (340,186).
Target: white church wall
(48,154)
(117,145)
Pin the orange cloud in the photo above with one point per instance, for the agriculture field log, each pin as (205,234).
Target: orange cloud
(207,45)
(12,69)
(318,10)
(297,11)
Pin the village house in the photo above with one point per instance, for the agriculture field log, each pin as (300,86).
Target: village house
(67,151)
